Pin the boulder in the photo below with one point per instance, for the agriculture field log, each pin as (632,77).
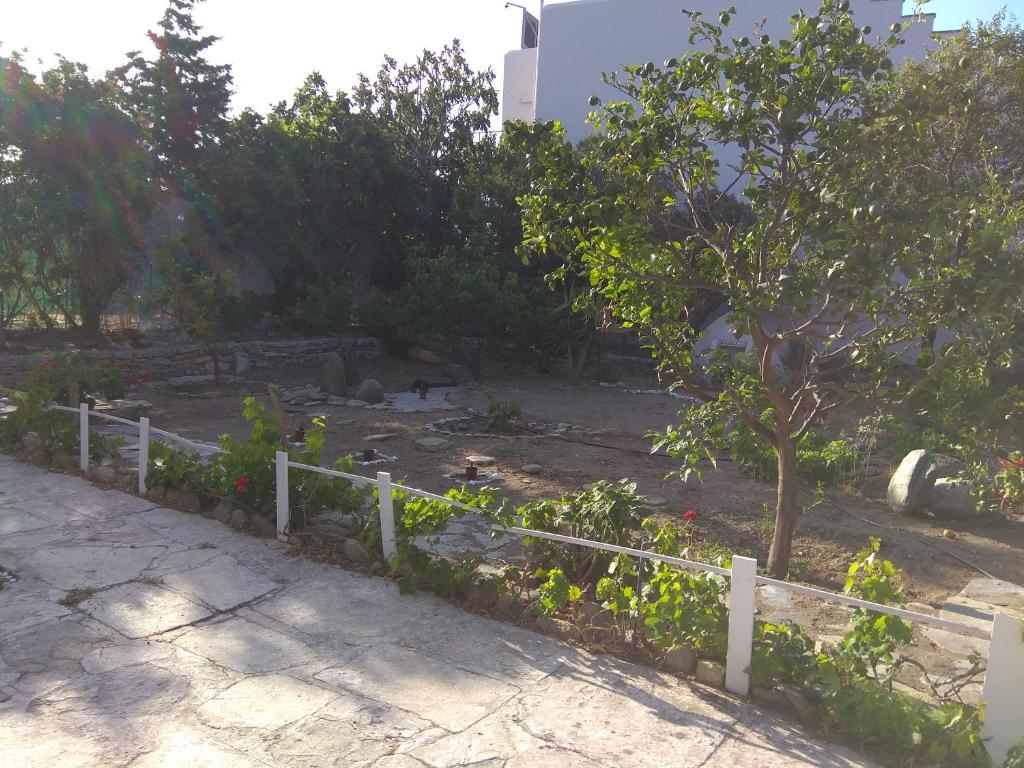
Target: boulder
(595,614)
(910,484)
(332,375)
(98,473)
(65,461)
(33,447)
(242,363)
(951,497)
(682,658)
(263,526)
(356,552)
(370,391)
(222,512)
(156,493)
(239,520)
(189,502)
(711,673)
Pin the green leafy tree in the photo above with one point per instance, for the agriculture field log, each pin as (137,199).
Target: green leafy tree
(797,256)
(73,191)
(178,98)
(434,110)
(952,153)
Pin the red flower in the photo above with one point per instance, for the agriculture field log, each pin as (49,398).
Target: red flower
(690,515)
(241,484)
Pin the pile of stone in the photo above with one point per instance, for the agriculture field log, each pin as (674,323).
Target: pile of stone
(916,486)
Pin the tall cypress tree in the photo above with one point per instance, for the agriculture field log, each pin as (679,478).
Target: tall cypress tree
(178,98)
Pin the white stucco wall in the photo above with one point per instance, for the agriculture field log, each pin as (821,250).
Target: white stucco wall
(520,85)
(580,39)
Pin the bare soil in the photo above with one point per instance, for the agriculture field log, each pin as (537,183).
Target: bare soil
(732,509)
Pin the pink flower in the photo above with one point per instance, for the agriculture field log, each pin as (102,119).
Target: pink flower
(689,515)
(241,484)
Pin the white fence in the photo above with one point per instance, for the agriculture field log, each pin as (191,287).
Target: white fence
(1004,678)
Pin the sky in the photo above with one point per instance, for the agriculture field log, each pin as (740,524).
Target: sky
(273,44)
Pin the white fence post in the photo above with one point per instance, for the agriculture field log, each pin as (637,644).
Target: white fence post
(282,495)
(1004,681)
(741,625)
(387,516)
(83,436)
(143,453)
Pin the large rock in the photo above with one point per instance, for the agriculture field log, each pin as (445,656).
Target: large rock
(242,362)
(370,391)
(99,473)
(910,484)
(332,375)
(951,497)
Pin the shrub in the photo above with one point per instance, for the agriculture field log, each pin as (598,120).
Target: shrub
(58,432)
(325,308)
(243,471)
(80,376)
(817,459)
(607,512)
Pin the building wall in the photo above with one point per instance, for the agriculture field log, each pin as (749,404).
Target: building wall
(520,86)
(581,39)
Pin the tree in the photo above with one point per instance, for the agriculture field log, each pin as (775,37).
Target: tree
(952,151)
(179,99)
(73,182)
(798,255)
(433,110)
(296,189)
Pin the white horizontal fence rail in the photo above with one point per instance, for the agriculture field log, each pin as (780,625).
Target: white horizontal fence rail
(1004,679)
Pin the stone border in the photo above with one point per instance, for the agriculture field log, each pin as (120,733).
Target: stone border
(482,478)
(560,429)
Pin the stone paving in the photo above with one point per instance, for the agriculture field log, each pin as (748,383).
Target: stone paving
(193,645)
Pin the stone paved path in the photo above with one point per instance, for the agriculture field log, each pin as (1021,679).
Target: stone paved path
(198,646)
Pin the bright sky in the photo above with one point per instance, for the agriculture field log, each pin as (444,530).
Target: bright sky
(273,44)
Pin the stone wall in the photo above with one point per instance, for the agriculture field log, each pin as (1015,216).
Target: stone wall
(166,361)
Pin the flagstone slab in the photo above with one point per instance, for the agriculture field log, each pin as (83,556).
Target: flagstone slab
(265,701)
(140,610)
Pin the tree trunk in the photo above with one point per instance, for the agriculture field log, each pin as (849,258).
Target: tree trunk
(786,505)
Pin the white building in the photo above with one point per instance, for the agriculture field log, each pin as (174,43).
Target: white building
(563,57)
(554,74)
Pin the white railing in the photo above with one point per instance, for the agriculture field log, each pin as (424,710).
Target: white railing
(1004,678)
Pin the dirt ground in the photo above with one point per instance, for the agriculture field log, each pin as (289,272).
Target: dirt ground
(732,509)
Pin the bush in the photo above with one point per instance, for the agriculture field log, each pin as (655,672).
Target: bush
(76,372)
(243,471)
(817,459)
(325,308)
(58,432)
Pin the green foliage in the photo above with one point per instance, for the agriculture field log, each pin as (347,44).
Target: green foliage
(324,308)
(668,606)
(58,432)
(416,516)
(783,653)
(817,459)
(79,373)
(174,467)
(243,471)
(555,591)
(1009,480)
(606,512)
(815,137)
(503,414)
